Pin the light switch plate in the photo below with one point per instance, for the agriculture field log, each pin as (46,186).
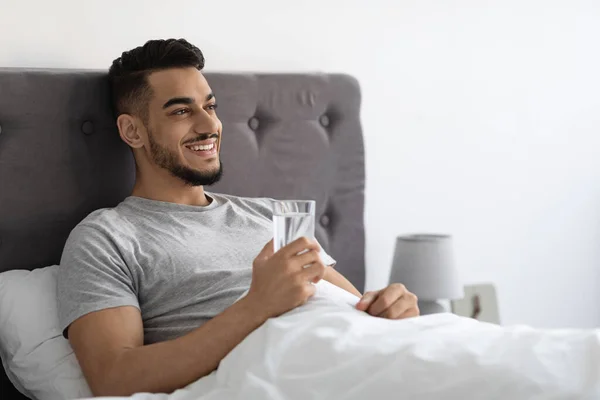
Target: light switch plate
(480,302)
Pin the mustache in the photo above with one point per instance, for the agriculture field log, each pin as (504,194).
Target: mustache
(203,136)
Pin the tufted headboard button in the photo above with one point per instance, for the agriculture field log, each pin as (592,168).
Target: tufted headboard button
(253,123)
(87,128)
(324,120)
(324,220)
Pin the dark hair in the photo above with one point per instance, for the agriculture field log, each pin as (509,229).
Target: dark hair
(128,74)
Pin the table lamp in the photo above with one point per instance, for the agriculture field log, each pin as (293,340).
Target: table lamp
(425,265)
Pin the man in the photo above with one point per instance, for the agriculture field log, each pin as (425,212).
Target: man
(149,291)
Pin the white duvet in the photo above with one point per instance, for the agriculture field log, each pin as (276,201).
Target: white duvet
(328,350)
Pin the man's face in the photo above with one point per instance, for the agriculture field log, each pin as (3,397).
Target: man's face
(184,132)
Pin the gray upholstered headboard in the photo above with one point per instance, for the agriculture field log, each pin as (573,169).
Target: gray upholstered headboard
(284,136)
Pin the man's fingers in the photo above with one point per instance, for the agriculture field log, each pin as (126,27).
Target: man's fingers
(411,312)
(314,273)
(366,301)
(306,258)
(393,302)
(266,252)
(298,246)
(310,290)
(396,310)
(385,299)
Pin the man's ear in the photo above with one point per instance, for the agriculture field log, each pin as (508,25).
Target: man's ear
(129,131)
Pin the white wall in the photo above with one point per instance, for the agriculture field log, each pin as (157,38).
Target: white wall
(481,118)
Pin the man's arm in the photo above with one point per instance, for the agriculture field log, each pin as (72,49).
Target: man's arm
(110,350)
(109,343)
(334,277)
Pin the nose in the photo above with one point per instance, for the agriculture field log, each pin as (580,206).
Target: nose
(206,123)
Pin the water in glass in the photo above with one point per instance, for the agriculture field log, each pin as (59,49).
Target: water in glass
(291,226)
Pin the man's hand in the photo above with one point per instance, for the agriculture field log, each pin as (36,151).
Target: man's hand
(393,302)
(282,281)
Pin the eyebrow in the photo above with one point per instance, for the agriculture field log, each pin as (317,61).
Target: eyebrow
(185,100)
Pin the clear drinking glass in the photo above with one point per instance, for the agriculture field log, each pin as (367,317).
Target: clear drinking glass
(292,219)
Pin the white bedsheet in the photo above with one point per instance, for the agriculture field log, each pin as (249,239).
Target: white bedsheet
(328,350)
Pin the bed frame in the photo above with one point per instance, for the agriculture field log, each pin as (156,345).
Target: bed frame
(285,136)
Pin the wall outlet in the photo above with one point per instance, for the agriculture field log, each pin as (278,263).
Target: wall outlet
(480,302)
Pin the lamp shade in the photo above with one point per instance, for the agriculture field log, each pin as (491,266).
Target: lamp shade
(425,265)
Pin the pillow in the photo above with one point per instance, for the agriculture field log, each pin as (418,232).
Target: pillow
(37,359)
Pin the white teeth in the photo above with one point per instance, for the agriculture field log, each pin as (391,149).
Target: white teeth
(204,147)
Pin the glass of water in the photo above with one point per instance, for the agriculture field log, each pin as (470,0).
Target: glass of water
(292,219)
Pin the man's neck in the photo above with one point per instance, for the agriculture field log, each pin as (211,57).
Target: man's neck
(169,189)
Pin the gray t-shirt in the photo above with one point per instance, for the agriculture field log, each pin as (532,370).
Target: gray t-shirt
(180,265)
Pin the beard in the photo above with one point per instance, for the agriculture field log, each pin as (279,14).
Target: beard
(167,159)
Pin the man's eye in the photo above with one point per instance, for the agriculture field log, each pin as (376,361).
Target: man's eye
(212,106)
(181,111)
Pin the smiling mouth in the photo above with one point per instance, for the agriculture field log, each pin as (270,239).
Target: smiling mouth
(204,149)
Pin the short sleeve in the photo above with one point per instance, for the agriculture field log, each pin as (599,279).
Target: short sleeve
(326,258)
(92,276)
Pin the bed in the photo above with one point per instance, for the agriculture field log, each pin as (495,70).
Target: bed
(285,136)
